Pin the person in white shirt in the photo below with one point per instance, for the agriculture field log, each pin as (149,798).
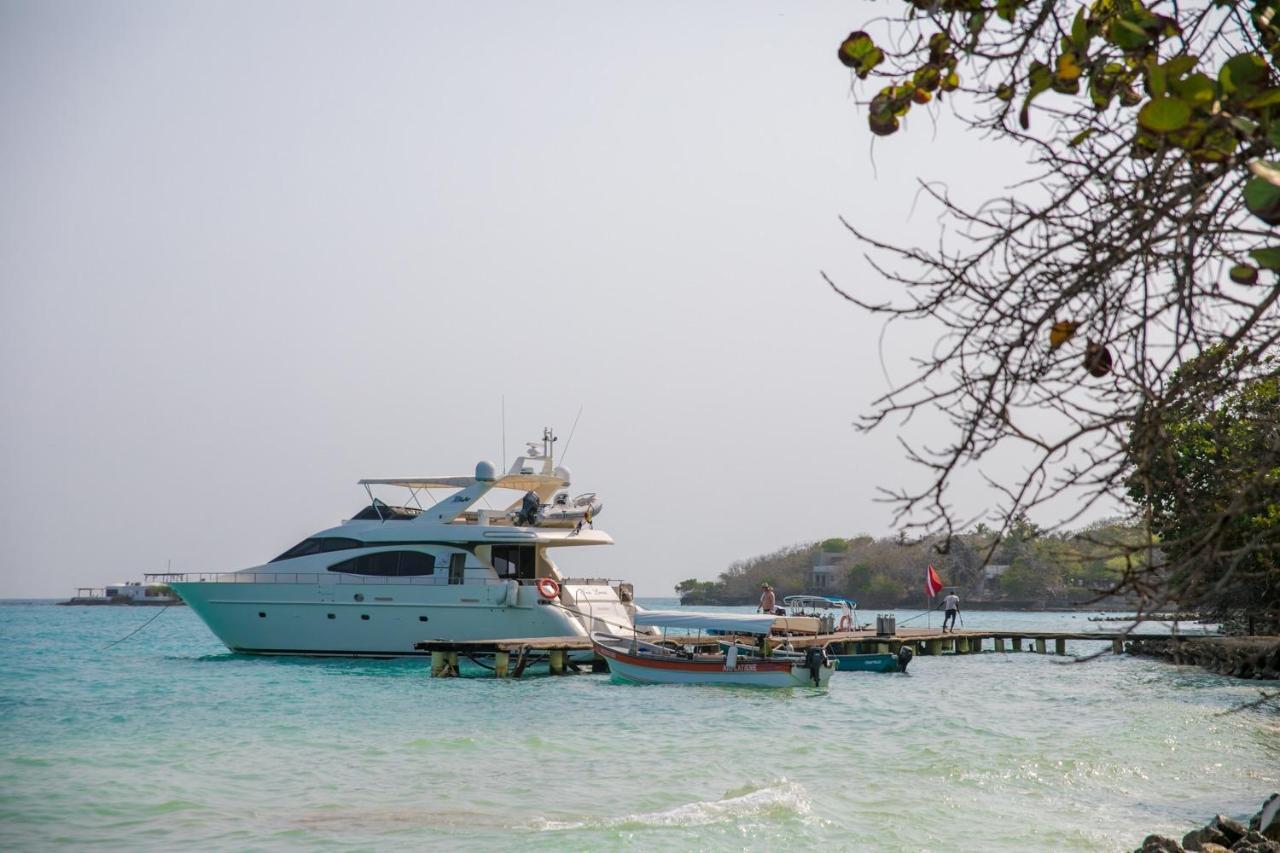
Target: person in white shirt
(951,604)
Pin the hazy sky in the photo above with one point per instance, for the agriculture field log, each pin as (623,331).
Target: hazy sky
(253,252)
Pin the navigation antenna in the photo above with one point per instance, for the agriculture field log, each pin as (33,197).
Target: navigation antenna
(548,446)
(572,430)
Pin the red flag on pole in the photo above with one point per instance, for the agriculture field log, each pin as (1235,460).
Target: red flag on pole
(932,583)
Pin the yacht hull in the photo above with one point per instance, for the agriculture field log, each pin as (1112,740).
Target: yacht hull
(382,620)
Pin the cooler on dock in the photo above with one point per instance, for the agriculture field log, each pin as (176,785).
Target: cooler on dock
(886,626)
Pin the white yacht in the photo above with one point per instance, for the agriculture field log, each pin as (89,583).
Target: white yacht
(395,575)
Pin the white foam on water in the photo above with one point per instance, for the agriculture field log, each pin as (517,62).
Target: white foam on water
(783,799)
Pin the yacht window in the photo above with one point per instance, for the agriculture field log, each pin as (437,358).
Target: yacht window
(388,564)
(457,565)
(515,561)
(319,545)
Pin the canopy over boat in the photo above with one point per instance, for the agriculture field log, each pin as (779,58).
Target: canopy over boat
(742,623)
(818,601)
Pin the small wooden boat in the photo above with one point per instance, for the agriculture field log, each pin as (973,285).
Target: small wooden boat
(878,662)
(686,659)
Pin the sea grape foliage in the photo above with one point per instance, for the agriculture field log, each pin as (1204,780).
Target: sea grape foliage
(1060,310)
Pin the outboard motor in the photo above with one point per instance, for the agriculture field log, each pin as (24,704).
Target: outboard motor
(905,654)
(814,658)
(528,510)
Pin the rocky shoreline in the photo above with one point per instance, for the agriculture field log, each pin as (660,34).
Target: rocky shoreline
(1223,834)
(1239,657)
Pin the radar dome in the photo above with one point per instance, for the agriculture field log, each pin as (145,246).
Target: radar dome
(484,471)
(563,473)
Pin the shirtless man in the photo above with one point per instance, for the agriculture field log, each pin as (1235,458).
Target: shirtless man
(768,601)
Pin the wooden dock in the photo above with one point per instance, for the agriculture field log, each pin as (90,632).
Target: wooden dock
(445,654)
(933,641)
(512,656)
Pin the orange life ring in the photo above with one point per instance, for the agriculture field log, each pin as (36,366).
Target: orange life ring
(846,623)
(548,588)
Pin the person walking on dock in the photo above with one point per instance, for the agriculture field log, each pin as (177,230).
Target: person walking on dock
(950,604)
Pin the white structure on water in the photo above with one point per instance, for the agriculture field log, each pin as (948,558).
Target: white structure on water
(392,576)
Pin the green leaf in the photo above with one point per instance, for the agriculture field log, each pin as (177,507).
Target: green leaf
(1243,75)
(1268,258)
(1244,274)
(1039,79)
(860,53)
(1156,78)
(1180,65)
(1263,200)
(927,77)
(1080,31)
(1197,90)
(1004,92)
(1217,145)
(1164,115)
(1081,137)
(1269,98)
(1126,35)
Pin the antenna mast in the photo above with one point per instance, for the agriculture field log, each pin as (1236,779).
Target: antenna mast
(572,430)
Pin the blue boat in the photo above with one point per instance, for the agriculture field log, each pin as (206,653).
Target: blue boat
(883,662)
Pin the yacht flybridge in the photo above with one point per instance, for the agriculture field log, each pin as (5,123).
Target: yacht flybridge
(396,574)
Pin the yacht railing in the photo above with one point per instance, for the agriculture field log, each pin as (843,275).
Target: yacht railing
(357,580)
(319,578)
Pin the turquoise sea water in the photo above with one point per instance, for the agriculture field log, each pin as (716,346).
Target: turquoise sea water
(169,741)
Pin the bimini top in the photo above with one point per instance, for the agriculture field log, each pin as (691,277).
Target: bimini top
(742,623)
(523,482)
(817,601)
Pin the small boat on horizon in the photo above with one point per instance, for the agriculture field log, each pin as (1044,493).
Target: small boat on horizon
(684,659)
(152,591)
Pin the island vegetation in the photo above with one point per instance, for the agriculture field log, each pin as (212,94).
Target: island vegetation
(1027,567)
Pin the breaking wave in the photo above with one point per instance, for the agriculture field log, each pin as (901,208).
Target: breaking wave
(779,801)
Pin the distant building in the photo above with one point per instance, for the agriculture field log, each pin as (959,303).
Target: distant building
(992,571)
(826,572)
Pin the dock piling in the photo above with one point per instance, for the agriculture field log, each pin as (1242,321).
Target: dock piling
(1059,646)
(1040,645)
(502,664)
(999,641)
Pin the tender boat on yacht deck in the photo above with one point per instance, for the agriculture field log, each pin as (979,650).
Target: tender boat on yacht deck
(392,576)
